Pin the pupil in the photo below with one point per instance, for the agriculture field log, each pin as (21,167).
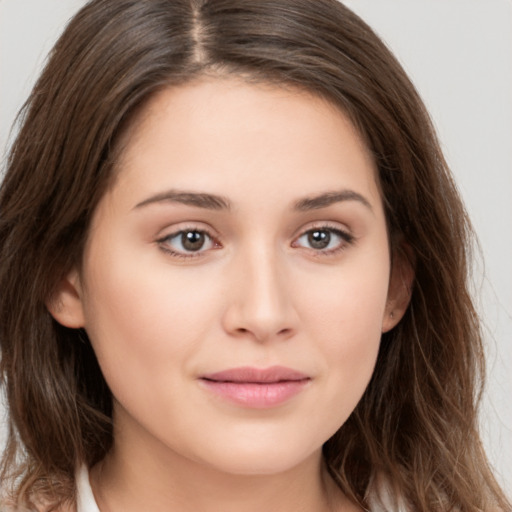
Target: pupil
(193,240)
(319,239)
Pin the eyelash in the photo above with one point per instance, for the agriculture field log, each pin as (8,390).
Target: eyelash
(346,239)
(164,243)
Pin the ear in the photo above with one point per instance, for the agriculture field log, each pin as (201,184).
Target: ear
(65,305)
(400,288)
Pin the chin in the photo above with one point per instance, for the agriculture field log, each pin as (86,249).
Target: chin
(261,458)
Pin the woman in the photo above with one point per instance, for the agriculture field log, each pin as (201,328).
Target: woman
(234,272)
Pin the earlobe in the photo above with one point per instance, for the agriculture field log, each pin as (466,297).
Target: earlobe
(65,305)
(400,289)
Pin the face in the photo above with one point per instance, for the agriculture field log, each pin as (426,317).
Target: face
(235,282)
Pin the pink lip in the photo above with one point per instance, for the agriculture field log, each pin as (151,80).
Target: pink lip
(256,388)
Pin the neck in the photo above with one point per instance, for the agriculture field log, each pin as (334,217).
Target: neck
(208,490)
(134,477)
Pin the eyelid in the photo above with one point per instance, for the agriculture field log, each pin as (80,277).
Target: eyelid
(162,240)
(347,237)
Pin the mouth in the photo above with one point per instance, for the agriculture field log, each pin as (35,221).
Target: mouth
(256,388)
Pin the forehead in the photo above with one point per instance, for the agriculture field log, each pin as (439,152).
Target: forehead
(218,131)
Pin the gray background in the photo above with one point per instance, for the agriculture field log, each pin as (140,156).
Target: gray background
(459,54)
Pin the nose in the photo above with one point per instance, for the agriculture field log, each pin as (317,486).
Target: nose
(259,303)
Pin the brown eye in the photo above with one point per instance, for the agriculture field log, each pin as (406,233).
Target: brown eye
(324,240)
(188,241)
(319,239)
(193,240)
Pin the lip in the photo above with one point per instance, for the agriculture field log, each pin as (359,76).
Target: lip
(256,388)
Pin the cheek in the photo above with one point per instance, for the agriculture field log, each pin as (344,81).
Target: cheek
(143,319)
(351,336)
(346,322)
(346,307)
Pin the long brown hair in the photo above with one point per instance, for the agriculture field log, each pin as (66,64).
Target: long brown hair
(416,424)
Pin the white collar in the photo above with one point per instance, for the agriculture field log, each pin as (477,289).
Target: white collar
(85,501)
(379,498)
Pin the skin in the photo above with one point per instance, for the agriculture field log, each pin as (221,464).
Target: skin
(257,293)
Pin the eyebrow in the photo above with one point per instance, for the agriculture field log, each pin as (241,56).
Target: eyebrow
(198,199)
(215,202)
(328,198)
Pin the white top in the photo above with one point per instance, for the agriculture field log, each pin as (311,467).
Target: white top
(87,503)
